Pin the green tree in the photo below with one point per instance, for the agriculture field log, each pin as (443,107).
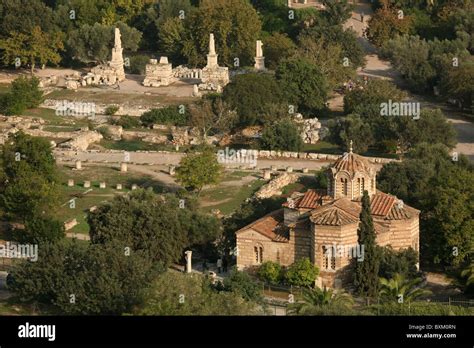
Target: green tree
(375,93)
(199,169)
(468,274)
(282,135)
(93,43)
(40,229)
(102,278)
(336,35)
(35,47)
(458,84)
(401,289)
(366,271)
(304,83)
(328,56)
(29,172)
(183,294)
(219,17)
(270,272)
(253,96)
(157,225)
(385,24)
(432,127)
(351,128)
(242,283)
(403,262)
(429,180)
(337,12)
(23,94)
(23,16)
(278,47)
(320,298)
(170,115)
(301,273)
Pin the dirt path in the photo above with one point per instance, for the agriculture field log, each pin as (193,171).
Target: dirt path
(377,68)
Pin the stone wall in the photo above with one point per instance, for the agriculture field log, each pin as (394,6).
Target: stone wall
(83,140)
(273,188)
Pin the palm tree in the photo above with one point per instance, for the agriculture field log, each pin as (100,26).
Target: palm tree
(320,298)
(469,273)
(400,287)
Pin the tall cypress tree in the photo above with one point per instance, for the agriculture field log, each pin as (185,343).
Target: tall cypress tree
(366,271)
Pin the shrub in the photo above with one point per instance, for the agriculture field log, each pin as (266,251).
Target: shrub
(270,272)
(111,110)
(24,94)
(41,229)
(283,135)
(127,122)
(138,64)
(253,96)
(170,115)
(243,284)
(301,273)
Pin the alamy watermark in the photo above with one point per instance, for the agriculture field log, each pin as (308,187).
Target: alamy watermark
(351,251)
(78,109)
(242,156)
(19,251)
(392,108)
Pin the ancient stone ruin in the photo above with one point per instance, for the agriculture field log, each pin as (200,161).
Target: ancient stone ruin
(259,58)
(159,73)
(311,129)
(112,72)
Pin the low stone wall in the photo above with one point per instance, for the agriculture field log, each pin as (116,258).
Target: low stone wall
(259,154)
(273,188)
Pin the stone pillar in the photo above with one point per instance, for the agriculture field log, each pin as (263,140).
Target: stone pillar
(172,170)
(102,185)
(70,183)
(267,174)
(212,56)
(119,186)
(134,187)
(274,168)
(87,184)
(259,58)
(78,165)
(123,167)
(305,170)
(188,256)
(289,169)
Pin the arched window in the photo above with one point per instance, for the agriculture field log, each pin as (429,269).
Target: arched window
(325,262)
(258,250)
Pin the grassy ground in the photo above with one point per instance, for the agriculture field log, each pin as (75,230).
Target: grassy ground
(83,202)
(49,115)
(228,198)
(323,147)
(113,97)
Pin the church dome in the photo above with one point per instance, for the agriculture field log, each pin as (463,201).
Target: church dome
(352,163)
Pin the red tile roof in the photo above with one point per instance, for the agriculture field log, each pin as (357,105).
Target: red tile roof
(333,216)
(351,162)
(271,226)
(310,200)
(381,204)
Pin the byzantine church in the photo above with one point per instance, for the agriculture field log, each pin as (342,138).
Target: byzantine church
(309,223)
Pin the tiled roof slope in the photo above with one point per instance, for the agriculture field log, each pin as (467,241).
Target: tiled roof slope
(271,226)
(351,162)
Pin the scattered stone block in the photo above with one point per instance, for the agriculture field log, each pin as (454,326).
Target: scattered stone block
(70,183)
(87,184)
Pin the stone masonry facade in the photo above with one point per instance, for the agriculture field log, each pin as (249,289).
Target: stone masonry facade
(317,223)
